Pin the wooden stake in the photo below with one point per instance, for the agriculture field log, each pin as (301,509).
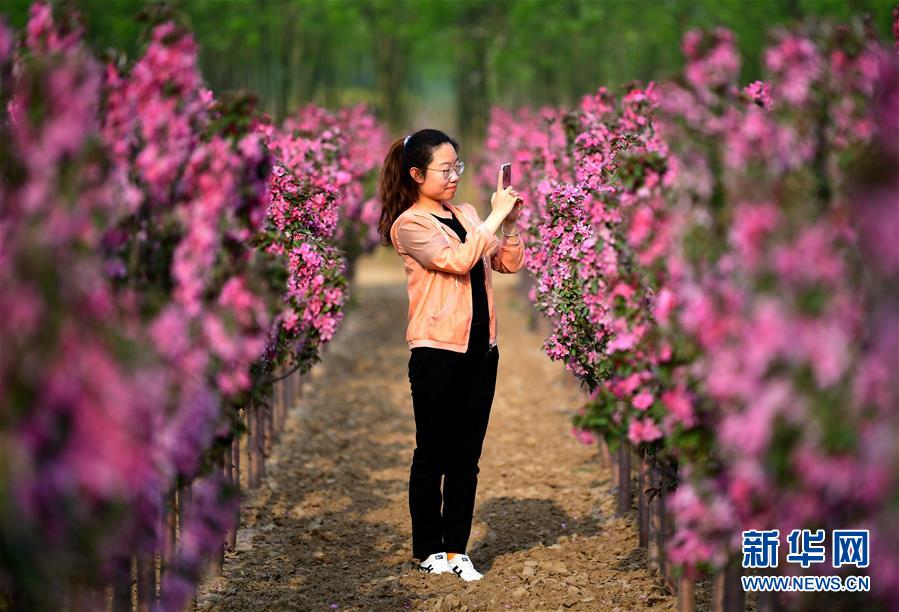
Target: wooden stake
(654,523)
(146,590)
(254,457)
(121,587)
(624,479)
(613,472)
(686,595)
(667,532)
(768,602)
(728,593)
(642,505)
(260,439)
(268,416)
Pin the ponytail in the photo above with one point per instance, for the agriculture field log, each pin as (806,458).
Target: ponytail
(396,187)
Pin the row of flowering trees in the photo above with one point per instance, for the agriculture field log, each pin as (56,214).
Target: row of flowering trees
(719,267)
(164,254)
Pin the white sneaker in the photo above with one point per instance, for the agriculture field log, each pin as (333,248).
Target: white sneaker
(435,564)
(462,566)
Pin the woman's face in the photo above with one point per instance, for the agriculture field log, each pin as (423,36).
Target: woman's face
(431,183)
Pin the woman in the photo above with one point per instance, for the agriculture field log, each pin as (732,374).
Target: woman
(449,255)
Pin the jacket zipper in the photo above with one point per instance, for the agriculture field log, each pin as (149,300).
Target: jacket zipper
(446,236)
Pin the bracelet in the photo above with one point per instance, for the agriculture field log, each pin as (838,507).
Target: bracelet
(503,229)
(513,236)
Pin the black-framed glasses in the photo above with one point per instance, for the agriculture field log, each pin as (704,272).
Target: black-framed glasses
(459,168)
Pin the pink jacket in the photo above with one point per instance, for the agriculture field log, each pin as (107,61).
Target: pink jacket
(437,264)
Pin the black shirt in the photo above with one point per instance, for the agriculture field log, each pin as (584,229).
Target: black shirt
(481,313)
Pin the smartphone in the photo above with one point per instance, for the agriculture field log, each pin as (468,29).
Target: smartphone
(507,174)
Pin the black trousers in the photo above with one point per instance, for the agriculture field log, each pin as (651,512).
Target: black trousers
(451,395)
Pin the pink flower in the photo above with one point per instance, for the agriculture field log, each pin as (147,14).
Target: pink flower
(664,303)
(643,430)
(752,224)
(643,400)
(680,405)
(760,93)
(584,436)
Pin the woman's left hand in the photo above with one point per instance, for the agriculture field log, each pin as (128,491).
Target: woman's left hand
(516,210)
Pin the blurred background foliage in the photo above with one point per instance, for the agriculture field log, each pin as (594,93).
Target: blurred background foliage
(428,63)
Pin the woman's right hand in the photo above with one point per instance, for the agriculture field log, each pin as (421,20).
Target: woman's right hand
(503,200)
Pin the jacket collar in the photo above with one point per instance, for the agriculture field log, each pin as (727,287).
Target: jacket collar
(457,210)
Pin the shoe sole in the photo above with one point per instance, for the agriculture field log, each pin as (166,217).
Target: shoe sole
(459,574)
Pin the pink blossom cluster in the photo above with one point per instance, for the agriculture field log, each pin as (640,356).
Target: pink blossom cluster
(566,238)
(535,144)
(619,154)
(202,186)
(155,129)
(302,221)
(598,261)
(712,62)
(339,149)
(318,217)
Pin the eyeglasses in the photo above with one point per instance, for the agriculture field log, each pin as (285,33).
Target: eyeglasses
(459,168)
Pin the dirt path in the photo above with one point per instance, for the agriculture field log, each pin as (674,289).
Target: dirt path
(329,528)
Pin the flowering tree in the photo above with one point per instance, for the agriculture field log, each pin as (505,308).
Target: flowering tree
(715,272)
(775,300)
(162,255)
(98,420)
